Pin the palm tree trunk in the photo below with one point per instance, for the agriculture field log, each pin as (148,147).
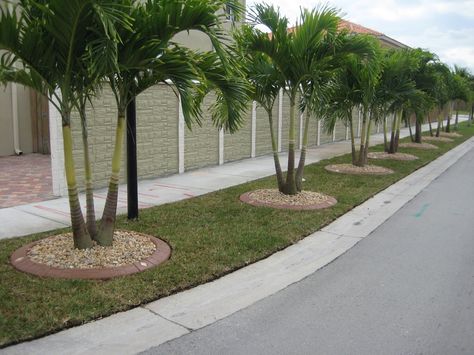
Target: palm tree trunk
(418,128)
(385,134)
(397,133)
(276,158)
(300,170)
(391,149)
(290,186)
(353,145)
(363,138)
(429,123)
(367,143)
(107,226)
(457,119)
(471,116)
(82,240)
(448,124)
(90,209)
(408,123)
(440,120)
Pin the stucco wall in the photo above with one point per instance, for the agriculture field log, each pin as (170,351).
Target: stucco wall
(6,120)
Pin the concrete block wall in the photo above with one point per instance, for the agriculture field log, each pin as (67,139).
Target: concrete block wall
(239,145)
(202,142)
(165,146)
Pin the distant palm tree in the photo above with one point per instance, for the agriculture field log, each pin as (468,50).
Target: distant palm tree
(355,88)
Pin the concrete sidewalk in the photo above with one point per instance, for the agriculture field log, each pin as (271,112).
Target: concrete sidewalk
(53,214)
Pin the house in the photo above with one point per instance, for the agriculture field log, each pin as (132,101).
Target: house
(385,40)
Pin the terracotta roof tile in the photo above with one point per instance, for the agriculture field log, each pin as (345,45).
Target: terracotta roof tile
(355,28)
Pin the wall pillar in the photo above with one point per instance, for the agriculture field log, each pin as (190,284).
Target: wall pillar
(254,130)
(221,146)
(180,137)
(280,118)
(57,152)
(318,138)
(301,130)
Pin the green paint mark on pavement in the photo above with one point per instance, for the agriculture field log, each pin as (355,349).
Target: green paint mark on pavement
(422,210)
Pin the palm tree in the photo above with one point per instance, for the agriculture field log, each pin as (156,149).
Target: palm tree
(148,55)
(307,58)
(266,83)
(461,88)
(61,32)
(355,88)
(84,40)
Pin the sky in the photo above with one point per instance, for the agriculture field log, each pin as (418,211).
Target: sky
(445,27)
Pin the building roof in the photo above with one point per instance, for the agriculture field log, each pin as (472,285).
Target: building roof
(355,28)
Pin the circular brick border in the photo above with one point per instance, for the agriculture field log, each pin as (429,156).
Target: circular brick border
(20,260)
(331,201)
(340,170)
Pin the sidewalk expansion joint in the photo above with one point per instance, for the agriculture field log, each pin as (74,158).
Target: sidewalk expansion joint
(39,216)
(166,319)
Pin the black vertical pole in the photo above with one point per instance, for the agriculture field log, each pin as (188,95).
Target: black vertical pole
(132,178)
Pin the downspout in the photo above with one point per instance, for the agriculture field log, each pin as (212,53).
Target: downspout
(16,127)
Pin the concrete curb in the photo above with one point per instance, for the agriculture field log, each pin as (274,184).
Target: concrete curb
(171,317)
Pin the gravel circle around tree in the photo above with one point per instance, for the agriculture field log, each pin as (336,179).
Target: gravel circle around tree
(304,200)
(56,256)
(394,156)
(437,139)
(424,146)
(358,170)
(450,134)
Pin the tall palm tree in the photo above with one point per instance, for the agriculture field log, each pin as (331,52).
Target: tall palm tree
(355,88)
(266,82)
(45,43)
(307,58)
(148,55)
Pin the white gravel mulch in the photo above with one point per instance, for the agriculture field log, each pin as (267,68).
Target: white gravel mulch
(437,139)
(58,251)
(359,170)
(450,134)
(274,196)
(425,146)
(395,156)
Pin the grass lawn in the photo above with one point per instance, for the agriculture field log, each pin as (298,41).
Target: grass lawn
(210,235)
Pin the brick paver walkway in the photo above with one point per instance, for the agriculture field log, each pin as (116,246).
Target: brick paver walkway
(25,179)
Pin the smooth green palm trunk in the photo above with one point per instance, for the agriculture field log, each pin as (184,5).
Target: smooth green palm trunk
(290,185)
(107,226)
(363,138)
(90,209)
(276,158)
(82,239)
(304,147)
(353,144)
(385,134)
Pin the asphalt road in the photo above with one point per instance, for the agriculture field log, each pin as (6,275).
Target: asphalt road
(405,289)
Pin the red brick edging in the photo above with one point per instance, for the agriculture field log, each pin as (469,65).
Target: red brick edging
(20,260)
(331,201)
